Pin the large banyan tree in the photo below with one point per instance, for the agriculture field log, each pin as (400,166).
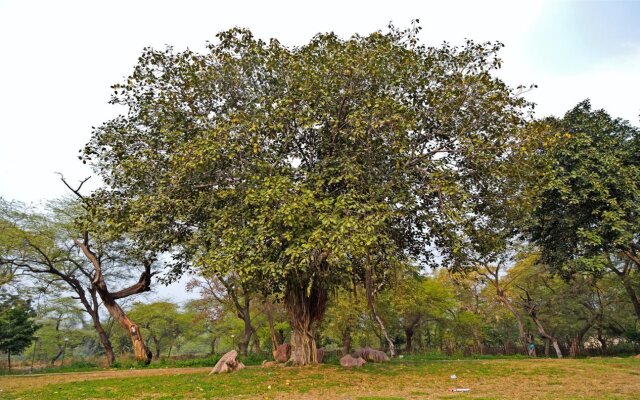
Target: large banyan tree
(301,169)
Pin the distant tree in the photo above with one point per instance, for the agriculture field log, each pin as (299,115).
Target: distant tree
(17,326)
(162,323)
(232,293)
(60,327)
(345,317)
(414,300)
(588,212)
(55,248)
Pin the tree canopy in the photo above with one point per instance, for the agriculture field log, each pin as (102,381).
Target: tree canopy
(17,325)
(301,169)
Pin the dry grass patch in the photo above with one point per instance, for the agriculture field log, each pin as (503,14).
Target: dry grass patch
(401,379)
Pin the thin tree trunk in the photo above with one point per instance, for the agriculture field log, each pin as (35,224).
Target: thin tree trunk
(547,347)
(346,340)
(244,345)
(55,358)
(628,287)
(370,301)
(624,278)
(256,341)
(531,310)
(556,346)
(102,335)
(525,338)
(213,345)
(576,341)
(409,335)
(156,343)
(272,329)
(9,359)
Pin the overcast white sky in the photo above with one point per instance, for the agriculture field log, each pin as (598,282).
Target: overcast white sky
(59,58)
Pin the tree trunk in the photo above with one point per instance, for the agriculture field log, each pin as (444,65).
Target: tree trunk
(525,338)
(372,306)
(624,278)
(140,349)
(306,303)
(272,326)
(248,331)
(9,359)
(102,335)
(628,287)
(531,310)
(156,343)
(55,358)
(409,334)
(574,344)
(346,340)
(109,299)
(213,345)
(303,344)
(556,346)
(576,341)
(256,341)
(547,347)
(479,344)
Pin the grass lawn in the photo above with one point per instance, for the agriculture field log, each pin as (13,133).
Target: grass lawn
(595,378)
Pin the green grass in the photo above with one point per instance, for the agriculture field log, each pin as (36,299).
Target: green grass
(408,378)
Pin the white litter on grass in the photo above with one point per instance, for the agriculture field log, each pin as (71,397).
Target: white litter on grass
(454,376)
(461,390)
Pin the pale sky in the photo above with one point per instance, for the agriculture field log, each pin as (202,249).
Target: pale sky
(59,58)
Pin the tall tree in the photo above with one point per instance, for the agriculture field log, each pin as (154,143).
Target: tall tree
(302,169)
(48,247)
(17,326)
(588,213)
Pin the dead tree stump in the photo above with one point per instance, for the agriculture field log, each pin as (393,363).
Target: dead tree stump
(227,363)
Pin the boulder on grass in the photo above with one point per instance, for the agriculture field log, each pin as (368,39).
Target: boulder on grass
(282,353)
(227,363)
(372,355)
(320,354)
(348,361)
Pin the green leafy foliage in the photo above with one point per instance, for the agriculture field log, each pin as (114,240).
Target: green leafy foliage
(299,167)
(589,208)
(17,325)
